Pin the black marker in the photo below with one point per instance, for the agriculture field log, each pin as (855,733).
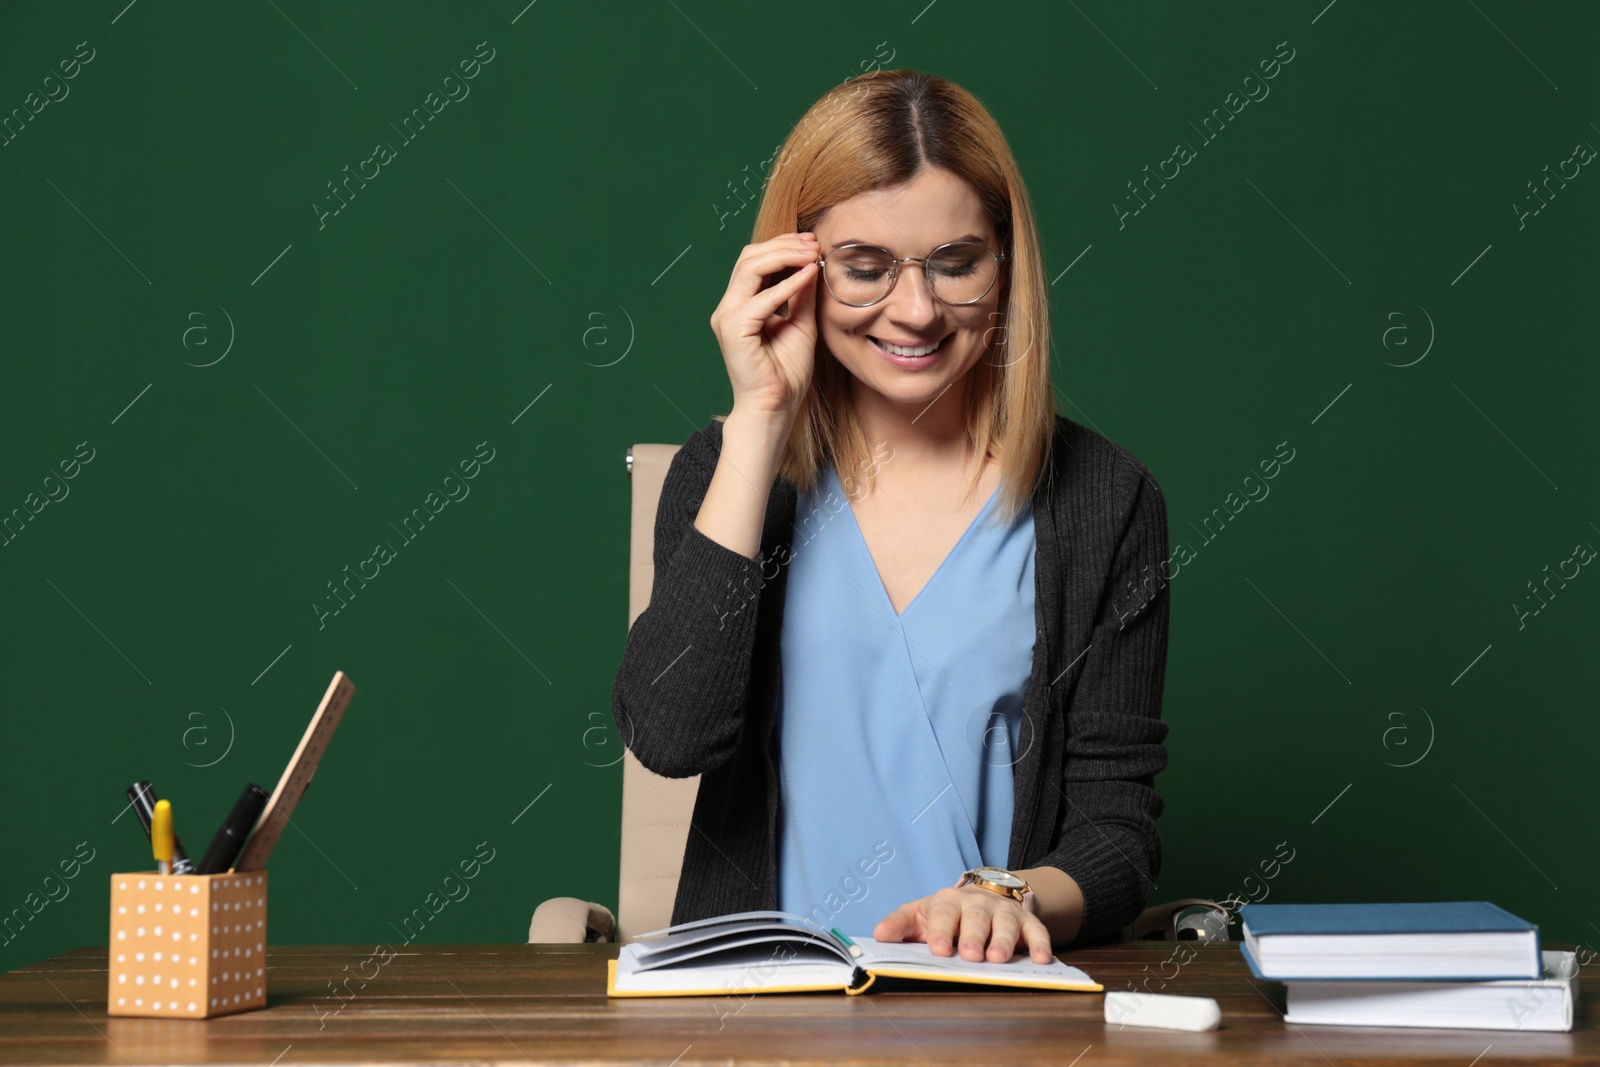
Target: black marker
(225,847)
(143,798)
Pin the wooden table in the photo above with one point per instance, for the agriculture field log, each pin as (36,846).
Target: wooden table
(519,1004)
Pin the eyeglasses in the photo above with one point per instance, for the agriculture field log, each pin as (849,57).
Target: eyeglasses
(961,272)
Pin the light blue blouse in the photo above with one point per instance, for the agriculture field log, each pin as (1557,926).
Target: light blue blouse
(897,733)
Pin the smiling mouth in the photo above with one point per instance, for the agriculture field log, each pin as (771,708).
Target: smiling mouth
(912,352)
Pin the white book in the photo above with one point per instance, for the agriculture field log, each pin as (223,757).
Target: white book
(1516,1004)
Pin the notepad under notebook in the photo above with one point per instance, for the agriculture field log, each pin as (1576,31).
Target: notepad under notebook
(1521,1004)
(1466,940)
(775,952)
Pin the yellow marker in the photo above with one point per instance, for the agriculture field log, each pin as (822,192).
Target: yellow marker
(161,836)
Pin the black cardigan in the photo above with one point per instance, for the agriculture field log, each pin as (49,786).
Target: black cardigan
(701,669)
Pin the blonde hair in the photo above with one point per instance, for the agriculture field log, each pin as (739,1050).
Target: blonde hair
(879,130)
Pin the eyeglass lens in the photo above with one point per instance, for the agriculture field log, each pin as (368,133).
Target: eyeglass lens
(960,273)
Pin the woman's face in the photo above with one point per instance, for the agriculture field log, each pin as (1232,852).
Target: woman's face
(911,219)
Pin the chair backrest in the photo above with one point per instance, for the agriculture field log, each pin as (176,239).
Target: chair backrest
(655,810)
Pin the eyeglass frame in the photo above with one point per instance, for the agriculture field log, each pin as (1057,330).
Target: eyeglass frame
(894,272)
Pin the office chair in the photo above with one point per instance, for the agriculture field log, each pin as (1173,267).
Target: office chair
(656,810)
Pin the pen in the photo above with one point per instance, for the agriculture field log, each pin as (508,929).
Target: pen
(161,836)
(855,949)
(143,799)
(228,842)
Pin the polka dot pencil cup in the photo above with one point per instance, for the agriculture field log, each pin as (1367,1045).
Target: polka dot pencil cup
(190,946)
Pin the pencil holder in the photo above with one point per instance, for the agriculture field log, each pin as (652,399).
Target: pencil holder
(187,945)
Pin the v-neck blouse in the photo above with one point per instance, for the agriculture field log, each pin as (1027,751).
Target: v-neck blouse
(897,733)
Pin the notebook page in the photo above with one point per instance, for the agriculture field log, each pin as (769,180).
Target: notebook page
(740,971)
(917,956)
(722,920)
(793,943)
(673,942)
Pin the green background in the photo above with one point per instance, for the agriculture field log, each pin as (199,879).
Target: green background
(577,206)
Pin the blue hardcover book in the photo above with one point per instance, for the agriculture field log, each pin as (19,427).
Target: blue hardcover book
(1462,940)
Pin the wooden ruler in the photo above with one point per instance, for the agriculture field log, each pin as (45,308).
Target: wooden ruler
(297,776)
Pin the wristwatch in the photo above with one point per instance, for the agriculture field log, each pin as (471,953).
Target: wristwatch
(1003,882)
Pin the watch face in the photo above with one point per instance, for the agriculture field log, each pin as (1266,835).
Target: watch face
(999,877)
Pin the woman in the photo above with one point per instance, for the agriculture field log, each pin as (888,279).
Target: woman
(907,622)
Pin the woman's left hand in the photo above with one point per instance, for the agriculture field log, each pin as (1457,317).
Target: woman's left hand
(988,925)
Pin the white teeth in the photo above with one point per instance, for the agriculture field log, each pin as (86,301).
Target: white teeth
(899,350)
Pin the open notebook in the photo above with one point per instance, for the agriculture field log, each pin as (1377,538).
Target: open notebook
(776,952)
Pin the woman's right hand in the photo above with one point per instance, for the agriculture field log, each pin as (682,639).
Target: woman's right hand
(770,356)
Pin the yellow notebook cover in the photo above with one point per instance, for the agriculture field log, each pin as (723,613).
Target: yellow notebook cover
(773,952)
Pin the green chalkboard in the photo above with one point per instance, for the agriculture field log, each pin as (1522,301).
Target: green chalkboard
(279,276)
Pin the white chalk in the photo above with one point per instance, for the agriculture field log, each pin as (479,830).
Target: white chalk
(1163,1011)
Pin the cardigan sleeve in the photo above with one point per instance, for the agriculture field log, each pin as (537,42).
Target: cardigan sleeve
(678,699)
(1107,838)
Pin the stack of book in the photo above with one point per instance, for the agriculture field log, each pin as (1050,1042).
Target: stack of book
(1466,964)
